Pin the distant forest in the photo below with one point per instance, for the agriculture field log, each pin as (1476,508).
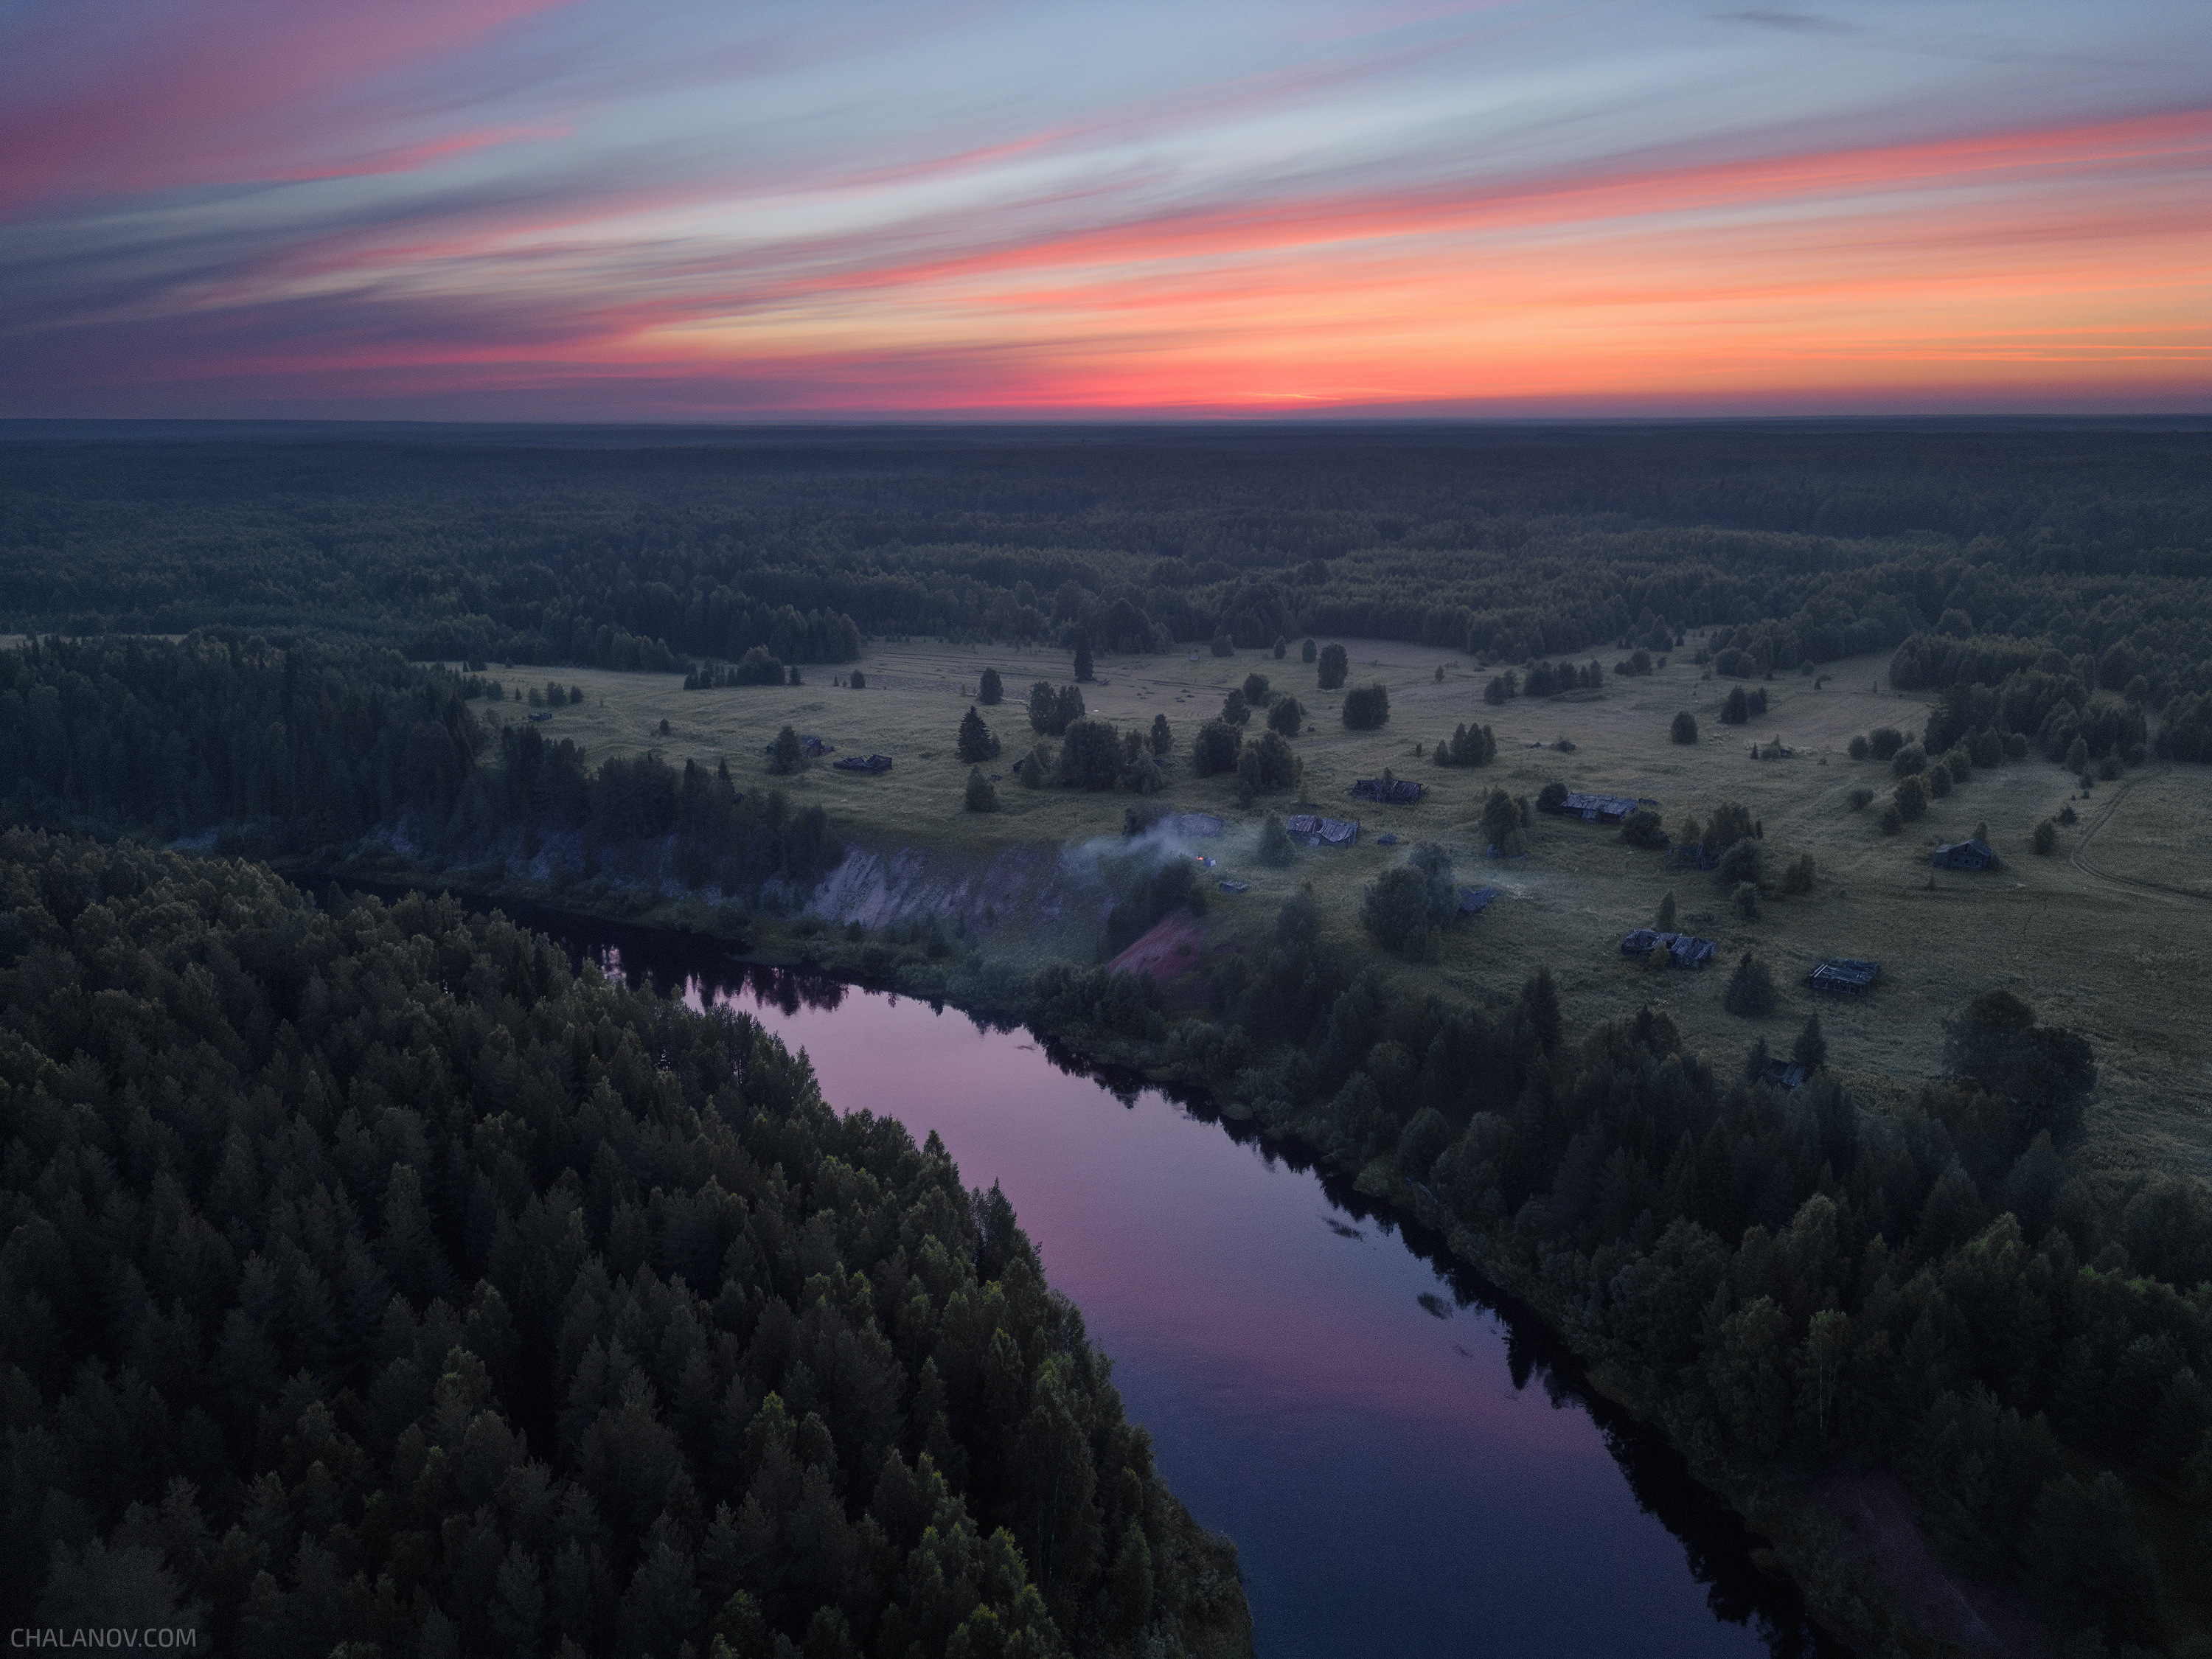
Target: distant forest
(1814,541)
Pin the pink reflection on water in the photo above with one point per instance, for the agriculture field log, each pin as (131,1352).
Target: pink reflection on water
(1186,1252)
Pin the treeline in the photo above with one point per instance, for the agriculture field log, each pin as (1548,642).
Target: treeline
(1512,545)
(294,751)
(2010,686)
(369,1277)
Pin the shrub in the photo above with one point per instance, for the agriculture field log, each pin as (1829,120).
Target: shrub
(1274,765)
(757,667)
(1307,652)
(1884,741)
(793,676)
(2067,816)
(1911,799)
(1740,863)
(994,689)
(1091,756)
(1282,647)
(1223,645)
(1334,666)
(1861,798)
(1035,768)
(1367,709)
(859,683)
(976,741)
(1798,876)
(1641,828)
(1276,850)
(2045,837)
(1215,749)
(1938,780)
(1287,716)
(1909,761)
(1737,710)
(1860,748)
(1892,821)
(787,756)
(1746,900)
(1685,729)
(1256,689)
(982,796)
(1162,739)
(1750,989)
(1235,711)
(1550,798)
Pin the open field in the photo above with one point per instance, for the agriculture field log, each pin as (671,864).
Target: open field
(2088,947)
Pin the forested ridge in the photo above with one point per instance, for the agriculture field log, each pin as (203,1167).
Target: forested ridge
(370,1277)
(1511,543)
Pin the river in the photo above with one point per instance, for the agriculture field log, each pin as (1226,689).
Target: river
(1407,1468)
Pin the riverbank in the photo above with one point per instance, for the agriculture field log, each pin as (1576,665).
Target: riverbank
(1872,1584)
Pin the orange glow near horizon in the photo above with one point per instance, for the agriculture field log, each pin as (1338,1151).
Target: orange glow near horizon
(1360,231)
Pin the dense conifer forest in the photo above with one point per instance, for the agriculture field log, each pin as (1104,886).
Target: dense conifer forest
(370,1277)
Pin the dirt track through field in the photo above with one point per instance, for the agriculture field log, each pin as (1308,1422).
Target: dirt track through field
(2087,868)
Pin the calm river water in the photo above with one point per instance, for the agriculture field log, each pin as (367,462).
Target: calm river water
(1407,1468)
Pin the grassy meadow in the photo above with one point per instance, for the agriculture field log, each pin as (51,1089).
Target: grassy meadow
(2088,947)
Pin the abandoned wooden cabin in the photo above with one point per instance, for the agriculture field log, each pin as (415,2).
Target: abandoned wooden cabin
(812,748)
(1843,977)
(1310,830)
(863,764)
(1599,808)
(1683,949)
(1971,853)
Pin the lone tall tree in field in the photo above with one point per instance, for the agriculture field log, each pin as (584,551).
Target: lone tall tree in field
(788,756)
(1686,727)
(977,742)
(993,688)
(1082,656)
(1334,666)
(1162,739)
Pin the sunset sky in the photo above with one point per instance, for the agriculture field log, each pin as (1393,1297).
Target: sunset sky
(463,209)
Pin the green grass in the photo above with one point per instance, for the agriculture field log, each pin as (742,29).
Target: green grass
(2124,965)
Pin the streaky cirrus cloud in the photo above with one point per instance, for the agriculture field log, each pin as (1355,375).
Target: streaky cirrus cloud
(514,208)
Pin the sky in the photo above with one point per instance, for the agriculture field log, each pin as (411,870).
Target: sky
(527,210)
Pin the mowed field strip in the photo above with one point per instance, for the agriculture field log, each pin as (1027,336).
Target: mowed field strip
(2125,964)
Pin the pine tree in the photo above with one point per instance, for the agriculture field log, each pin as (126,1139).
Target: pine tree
(1082,656)
(1811,1048)
(1162,739)
(976,741)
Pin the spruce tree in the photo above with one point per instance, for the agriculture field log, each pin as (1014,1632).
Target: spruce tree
(1082,656)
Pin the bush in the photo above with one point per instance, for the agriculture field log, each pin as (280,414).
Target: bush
(1737,710)
(2045,837)
(1911,799)
(1334,666)
(1256,689)
(1215,750)
(858,682)
(1287,716)
(993,690)
(2067,816)
(1641,828)
(1861,798)
(1740,862)
(1235,711)
(1909,761)
(787,756)
(1367,709)
(1307,652)
(1746,900)
(1550,798)
(792,675)
(1798,876)
(1685,729)
(1276,850)
(1162,739)
(976,742)
(2015,745)
(1892,821)
(1282,647)
(1750,989)
(1938,780)
(1091,756)
(1884,741)
(982,796)
(1860,748)
(757,667)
